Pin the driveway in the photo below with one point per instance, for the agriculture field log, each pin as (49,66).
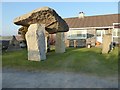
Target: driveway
(42,79)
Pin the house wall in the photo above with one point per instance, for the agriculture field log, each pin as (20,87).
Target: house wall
(108,31)
(116,35)
(102,31)
(76,38)
(76,34)
(91,37)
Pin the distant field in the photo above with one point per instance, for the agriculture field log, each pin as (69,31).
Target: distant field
(80,60)
(5,37)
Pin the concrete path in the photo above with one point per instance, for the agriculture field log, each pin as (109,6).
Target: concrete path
(43,79)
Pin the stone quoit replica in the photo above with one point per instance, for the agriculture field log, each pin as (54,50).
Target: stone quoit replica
(37,22)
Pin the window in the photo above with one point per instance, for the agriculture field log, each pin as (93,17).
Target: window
(116,32)
(73,33)
(116,29)
(77,34)
(81,33)
(98,32)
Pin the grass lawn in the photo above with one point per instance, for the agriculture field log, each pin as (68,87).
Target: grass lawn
(80,60)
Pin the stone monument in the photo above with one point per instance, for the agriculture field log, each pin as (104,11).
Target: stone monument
(37,22)
(22,31)
(60,43)
(106,45)
(14,44)
(35,38)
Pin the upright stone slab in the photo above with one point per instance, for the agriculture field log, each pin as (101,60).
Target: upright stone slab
(106,45)
(67,42)
(75,43)
(35,38)
(46,44)
(14,45)
(60,43)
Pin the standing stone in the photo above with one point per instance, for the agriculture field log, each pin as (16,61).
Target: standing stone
(106,46)
(60,43)
(67,43)
(14,45)
(35,38)
(46,44)
(22,31)
(75,43)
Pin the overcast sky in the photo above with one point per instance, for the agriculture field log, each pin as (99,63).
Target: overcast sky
(11,10)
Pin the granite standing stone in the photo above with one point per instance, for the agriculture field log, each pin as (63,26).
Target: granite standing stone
(46,44)
(36,42)
(106,45)
(60,43)
(14,45)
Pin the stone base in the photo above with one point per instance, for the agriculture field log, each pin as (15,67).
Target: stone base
(60,43)
(36,46)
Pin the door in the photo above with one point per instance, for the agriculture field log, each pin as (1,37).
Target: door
(100,34)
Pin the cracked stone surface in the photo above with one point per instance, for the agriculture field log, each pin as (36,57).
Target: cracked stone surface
(45,15)
(60,43)
(36,46)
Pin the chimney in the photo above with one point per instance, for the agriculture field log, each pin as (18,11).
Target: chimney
(81,15)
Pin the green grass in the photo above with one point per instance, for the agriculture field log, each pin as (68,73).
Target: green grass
(80,60)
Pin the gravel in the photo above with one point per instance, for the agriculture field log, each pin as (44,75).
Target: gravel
(12,78)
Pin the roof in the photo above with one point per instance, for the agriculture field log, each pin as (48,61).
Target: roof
(92,21)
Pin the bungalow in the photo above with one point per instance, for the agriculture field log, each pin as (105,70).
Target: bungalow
(89,30)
